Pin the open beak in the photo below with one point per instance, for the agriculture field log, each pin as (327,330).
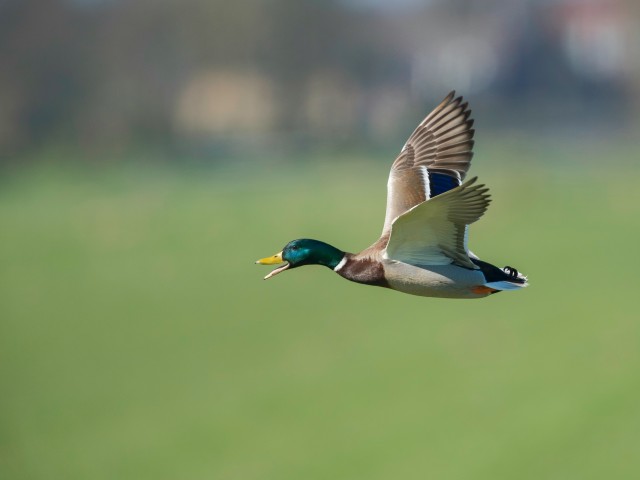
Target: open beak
(273,260)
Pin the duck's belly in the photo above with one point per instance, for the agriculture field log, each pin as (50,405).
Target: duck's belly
(445,281)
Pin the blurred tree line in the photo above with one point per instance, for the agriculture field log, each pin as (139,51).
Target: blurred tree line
(111,74)
(107,73)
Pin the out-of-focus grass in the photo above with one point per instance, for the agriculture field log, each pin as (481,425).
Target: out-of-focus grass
(139,341)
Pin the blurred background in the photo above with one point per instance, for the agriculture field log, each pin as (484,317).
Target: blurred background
(209,78)
(150,151)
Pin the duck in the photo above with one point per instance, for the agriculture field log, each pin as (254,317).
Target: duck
(423,248)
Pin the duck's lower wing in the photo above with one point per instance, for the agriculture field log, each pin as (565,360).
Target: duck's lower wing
(435,231)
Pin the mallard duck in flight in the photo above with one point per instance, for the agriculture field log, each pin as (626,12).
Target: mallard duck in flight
(423,247)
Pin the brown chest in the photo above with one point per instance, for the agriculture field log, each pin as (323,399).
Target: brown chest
(363,270)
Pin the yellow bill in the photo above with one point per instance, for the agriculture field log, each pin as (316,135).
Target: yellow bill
(273,260)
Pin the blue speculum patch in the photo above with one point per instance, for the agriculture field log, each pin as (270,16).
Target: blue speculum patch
(440,183)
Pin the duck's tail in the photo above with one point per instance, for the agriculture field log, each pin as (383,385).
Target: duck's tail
(515,280)
(506,285)
(507,278)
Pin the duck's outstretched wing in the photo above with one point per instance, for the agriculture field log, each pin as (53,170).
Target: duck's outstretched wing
(434,160)
(435,231)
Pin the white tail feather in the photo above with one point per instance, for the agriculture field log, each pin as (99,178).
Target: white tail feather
(504,285)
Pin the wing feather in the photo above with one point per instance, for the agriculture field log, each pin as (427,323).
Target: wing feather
(442,144)
(435,231)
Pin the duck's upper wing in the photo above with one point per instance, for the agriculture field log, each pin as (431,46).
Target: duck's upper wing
(434,160)
(435,231)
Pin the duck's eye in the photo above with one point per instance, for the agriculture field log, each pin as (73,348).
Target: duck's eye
(294,247)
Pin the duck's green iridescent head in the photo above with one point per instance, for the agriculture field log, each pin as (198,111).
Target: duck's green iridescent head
(301,252)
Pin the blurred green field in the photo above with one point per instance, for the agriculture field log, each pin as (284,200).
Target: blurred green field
(138,340)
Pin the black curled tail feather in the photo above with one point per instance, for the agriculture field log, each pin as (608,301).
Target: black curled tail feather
(495,274)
